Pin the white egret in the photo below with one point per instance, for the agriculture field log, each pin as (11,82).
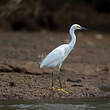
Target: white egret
(56,57)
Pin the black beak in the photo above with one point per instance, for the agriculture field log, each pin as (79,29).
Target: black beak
(84,28)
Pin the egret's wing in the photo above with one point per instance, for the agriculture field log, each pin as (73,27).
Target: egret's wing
(54,57)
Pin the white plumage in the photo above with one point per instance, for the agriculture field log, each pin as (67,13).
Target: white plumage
(55,57)
(58,55)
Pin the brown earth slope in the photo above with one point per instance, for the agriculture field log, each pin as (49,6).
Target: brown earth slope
(85,73)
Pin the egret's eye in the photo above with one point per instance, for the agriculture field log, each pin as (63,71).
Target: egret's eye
(78,26)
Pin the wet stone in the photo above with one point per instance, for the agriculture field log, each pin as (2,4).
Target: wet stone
(11,84)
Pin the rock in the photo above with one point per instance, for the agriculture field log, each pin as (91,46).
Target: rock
(99,36)
(5,68)
(22,66)
(12,84)
(74,81)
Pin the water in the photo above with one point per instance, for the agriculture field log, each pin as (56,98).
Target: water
(70,104)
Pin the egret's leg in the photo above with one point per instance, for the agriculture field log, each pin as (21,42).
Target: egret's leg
(52,78)
(62,90)
(59,78)
(52,86)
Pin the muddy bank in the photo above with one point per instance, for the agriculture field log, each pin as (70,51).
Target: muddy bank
(85,73)
(24,80)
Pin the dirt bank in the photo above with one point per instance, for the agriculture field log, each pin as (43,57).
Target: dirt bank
(85,73)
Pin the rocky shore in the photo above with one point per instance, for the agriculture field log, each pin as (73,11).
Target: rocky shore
(85,73)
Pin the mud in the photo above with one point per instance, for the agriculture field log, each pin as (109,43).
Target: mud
(85,73)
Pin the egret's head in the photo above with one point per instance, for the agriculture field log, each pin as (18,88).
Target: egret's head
(76,27)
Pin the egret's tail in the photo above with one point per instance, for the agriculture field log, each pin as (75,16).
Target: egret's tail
(41,65)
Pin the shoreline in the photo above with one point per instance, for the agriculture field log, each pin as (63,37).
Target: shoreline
(85,73)
(18,81)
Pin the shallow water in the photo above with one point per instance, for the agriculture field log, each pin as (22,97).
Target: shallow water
(70,104)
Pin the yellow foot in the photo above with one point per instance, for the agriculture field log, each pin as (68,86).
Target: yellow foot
(52,88)
(62,90)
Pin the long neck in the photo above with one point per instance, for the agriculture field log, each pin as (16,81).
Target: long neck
(73,39)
